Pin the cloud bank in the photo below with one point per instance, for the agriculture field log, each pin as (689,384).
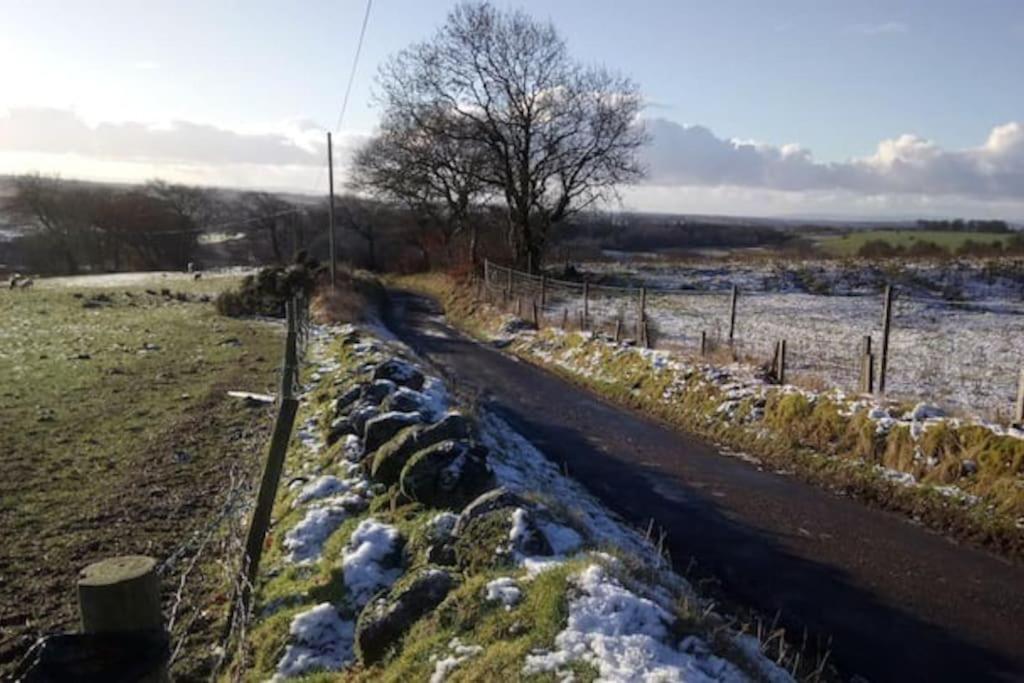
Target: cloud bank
(690,168)
(694,156)
(59,131)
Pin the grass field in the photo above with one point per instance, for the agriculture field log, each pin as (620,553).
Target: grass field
(849,244)
(117,437)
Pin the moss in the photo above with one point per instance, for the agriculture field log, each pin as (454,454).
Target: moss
(481,545)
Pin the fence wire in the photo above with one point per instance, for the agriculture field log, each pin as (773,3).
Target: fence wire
(963,355)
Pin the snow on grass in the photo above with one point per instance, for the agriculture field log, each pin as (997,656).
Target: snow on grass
(504,590)
(460,653)
(625,637)
(562,539)
(329,485)
(320,640)
(362,560)
(522,469)
(304,541)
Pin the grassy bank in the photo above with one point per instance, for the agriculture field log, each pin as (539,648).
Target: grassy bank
(350,544)
(958,477)
(117,437)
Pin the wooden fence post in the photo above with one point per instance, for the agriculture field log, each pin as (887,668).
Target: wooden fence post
(260,522)
(543,290)
(290,371)
(703,342)
(641,315)
(883,361)
(508,285)
(519,307)
(867,367)
(1020,399)
(732,314)
(780,369)
(565,318)
(120,594)
(586,304)
(582,321)
(618,329)
(536,314)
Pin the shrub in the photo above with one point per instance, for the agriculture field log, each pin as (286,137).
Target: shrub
(266,292)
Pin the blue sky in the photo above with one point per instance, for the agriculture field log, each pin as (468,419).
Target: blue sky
(190,83)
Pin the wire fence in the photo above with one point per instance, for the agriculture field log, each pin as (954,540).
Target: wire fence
(963,355)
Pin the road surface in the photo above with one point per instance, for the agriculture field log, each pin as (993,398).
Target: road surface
(898,602)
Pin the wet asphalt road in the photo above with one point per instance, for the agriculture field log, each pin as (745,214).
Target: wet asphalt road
(898,602)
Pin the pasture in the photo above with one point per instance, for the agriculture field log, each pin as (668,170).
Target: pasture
(117,437)
(850,243)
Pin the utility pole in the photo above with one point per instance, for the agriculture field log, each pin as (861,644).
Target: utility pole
(330,211)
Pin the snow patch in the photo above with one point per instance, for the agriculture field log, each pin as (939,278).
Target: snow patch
(371,543)
(320,640)
(504,590)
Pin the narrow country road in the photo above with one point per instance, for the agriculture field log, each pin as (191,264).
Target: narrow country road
(898,602)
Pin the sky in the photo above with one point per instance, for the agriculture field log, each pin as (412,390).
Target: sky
(796,108)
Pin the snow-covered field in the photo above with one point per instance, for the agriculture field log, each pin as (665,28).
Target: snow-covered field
(957,329)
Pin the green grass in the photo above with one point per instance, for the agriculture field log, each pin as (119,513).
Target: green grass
(850,243)
(117,437)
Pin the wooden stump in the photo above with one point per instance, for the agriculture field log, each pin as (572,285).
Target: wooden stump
(120,594)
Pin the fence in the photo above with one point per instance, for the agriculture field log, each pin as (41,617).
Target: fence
(124,634)
(964,355)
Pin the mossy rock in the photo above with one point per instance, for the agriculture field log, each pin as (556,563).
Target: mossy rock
(400,372)
(382,428)
(483,543)
(392,456)
(377,391)
(384,621)
(447,474)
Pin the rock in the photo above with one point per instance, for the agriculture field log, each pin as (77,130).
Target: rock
(406,400)
(391,457)
(339,427)
(495,499)
(378,390)
(446,474)
(491,539)
(346,399)
(361,415)
(400,372)
(383,427)
(383,622)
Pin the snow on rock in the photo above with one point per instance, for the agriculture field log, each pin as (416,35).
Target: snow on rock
(305,540)
(504,590)
(561,538)
(371,544)
(924,411)
(438,400)
(460,653)
(351,448)
(319,640)
(625,637)
(441,525)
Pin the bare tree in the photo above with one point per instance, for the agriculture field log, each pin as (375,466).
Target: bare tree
(194,205)
(558,136)
(268,213)
(62,214)
(437,177)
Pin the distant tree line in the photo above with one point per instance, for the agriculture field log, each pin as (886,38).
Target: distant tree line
(961,225)
(1012,246)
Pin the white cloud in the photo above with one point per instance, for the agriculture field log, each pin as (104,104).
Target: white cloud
(146,65)
(61,131)
(907,164)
